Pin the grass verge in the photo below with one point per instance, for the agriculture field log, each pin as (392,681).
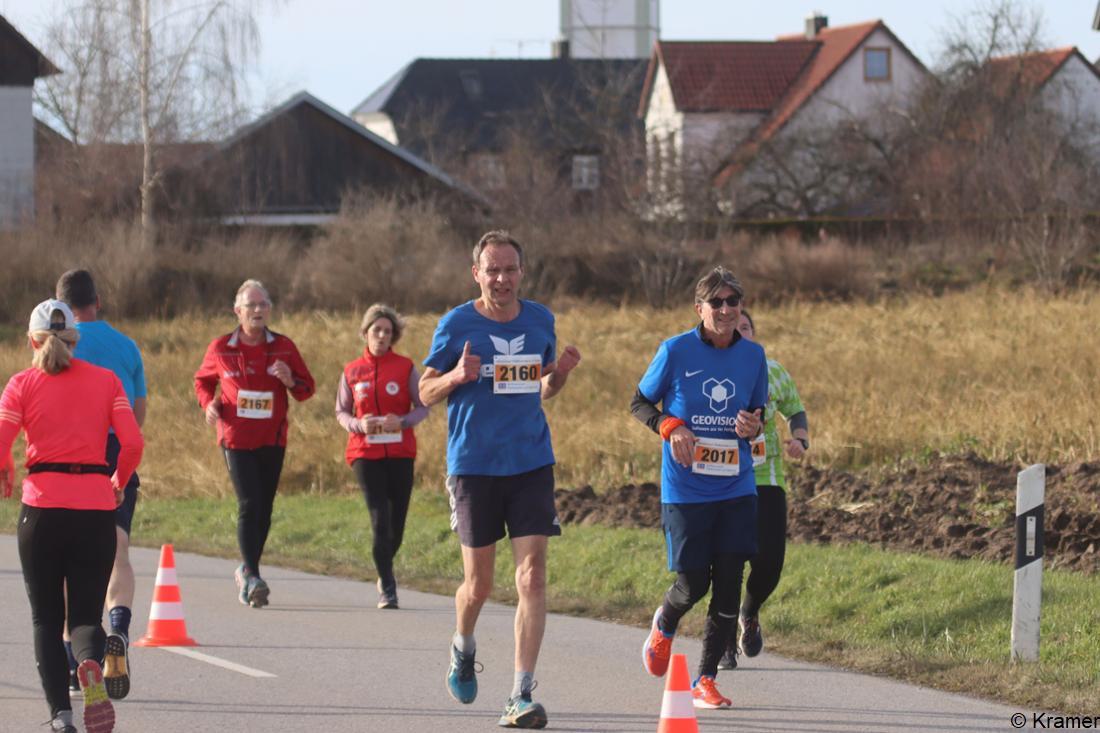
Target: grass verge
(941,623)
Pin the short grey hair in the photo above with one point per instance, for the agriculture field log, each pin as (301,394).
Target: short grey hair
(381,310)
(498,237)
(718,278)
(246,285)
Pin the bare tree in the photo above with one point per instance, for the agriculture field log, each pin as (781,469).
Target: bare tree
(153,72)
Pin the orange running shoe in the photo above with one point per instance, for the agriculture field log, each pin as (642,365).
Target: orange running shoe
(704,694)
(657,650)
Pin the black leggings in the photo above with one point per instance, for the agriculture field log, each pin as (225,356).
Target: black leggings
(767,565)
(725,573)
(255,477)
(59,548)
(387,485)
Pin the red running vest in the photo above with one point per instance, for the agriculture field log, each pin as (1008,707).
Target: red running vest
(380,386)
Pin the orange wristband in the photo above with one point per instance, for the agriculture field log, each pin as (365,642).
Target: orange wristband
(669,424)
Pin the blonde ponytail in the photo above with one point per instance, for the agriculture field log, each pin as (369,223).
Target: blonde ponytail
(54,350)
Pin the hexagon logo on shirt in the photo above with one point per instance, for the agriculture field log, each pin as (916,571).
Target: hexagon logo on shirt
(719,393)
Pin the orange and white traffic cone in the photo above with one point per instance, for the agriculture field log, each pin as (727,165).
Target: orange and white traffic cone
(677,709)
(166,624)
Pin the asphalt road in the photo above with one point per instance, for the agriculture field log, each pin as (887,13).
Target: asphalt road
(322,658)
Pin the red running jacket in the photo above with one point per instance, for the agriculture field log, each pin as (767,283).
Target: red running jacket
(253,402)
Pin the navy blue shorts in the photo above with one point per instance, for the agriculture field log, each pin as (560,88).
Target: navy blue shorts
(124,513)
(484,507)
(698,533)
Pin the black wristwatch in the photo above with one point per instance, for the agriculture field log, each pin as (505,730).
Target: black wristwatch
(805,443)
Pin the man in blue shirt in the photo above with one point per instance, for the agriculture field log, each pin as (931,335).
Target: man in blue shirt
(104,346)
(712,386)
(493,360)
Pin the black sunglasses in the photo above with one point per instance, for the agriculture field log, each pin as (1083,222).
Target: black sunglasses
(731,300)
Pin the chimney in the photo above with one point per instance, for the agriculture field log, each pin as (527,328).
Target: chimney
(559,49)
(815,24)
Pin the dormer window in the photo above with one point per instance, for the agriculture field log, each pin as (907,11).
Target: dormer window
(471,84)
(586,172)
(876,64)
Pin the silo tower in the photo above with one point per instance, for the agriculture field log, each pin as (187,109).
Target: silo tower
(609,29)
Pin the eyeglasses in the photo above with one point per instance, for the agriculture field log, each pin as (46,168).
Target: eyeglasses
(731,300)
(261,305)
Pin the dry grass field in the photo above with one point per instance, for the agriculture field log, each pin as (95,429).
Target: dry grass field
(1008,374)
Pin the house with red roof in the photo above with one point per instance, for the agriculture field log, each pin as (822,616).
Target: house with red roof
(1061,80)
(710,107)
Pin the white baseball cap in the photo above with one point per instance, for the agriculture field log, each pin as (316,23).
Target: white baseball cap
(42,317)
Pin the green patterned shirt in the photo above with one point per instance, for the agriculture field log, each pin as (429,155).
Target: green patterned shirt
(782,399)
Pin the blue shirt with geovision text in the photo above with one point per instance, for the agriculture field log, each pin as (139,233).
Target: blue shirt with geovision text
(706,387)
(488,433)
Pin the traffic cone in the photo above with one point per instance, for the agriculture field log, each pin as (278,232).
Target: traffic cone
(677,708)
(166,625)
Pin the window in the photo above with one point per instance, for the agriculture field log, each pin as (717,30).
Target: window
(876,64)
(490,171)
(586,172)
(471,84)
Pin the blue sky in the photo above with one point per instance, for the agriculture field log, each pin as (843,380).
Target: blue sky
(341,50)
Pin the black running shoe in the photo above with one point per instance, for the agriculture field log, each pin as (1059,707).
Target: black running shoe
(116,667)
(729,659)
(752,639)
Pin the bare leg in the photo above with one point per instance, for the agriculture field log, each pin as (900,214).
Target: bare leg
(120,591)
(477,585)
(530,558)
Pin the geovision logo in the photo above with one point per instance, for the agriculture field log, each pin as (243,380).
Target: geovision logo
(719,393)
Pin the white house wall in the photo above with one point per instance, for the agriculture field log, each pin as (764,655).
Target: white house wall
(847,94)
(1074,92)
(691,142)
(610,29)
(16,156)
(380,124)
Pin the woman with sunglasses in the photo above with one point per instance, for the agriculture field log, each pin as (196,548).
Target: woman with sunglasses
(242,387)
(712,386)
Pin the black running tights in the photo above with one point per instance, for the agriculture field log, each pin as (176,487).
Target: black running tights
(724,574)
(59,548)
(387,485)
(767,565)
(255,477)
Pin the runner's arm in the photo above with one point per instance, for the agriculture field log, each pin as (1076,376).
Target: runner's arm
(420,410)
(435,386)
(131,443)
(304,386)
(207,377)
(139,411)
(646,412)
(558,371)
(345,408)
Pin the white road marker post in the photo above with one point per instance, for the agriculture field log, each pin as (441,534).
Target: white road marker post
(1027,590)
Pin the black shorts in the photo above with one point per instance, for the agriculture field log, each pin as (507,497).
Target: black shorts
(483,507)
(697,533)
(124,513)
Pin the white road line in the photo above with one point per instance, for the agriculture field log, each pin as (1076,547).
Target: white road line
(216,661)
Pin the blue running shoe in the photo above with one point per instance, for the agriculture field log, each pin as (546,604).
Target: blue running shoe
(241,576)
(257,591)
(462,677)
(752,638)
(521,712)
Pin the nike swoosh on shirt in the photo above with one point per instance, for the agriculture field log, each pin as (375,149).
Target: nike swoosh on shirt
(692,374)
